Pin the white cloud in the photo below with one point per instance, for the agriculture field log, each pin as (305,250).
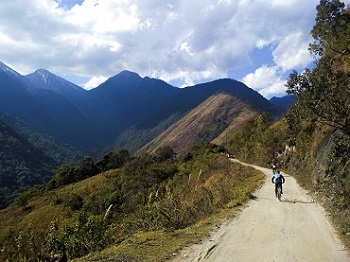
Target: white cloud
(94,82)
(292,52)
(179,41)
(267,81)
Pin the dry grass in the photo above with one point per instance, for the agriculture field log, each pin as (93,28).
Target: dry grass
(161,245)
(217,113)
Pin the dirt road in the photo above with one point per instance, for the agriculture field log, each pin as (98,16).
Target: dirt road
(294,230)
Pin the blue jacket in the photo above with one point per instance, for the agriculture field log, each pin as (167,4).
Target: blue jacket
(277,178)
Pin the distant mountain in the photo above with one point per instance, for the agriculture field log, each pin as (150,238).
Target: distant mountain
(21,165)
(125,111)
(43,79)
(59,152)
(238,89)
(145,107)
(43,110)
(284,102)
(219,112)
(10,73)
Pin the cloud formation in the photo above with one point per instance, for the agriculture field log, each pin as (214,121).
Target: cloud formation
(182,42)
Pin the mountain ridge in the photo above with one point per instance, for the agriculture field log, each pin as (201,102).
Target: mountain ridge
(100,117)
(204,123)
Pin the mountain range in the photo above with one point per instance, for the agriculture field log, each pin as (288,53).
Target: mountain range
(66,122)
(112,115)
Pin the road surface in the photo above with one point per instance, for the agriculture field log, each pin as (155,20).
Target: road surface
(294,230)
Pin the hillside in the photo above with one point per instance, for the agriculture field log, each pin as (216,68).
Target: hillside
(21,165)
(220,113)
(147,195)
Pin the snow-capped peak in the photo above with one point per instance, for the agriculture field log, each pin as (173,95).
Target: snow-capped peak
(9,71)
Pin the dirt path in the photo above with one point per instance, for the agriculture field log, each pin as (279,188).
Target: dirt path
(294,230)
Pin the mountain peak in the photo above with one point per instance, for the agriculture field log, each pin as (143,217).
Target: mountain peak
(42,71)
(8,70)
(125,77)
(44,79)
(127,73)
(45,75)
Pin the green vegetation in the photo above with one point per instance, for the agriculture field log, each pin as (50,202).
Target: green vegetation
(313,140)
(147,199)
(21,165)
(257,142)
(324,97)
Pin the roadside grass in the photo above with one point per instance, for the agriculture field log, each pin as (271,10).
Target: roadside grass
(161,245)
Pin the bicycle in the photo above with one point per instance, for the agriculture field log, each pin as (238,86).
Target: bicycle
(279,192)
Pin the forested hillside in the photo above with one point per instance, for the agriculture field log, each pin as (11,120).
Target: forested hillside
(21,165)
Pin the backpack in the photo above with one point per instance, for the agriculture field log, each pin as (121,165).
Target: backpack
(278,178)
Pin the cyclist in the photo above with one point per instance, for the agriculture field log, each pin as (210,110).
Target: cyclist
(273,168)
(278,179)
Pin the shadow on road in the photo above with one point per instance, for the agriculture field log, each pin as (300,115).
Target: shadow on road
(294,201)
(251,196)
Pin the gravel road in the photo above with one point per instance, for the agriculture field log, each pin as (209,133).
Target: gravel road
(294,230)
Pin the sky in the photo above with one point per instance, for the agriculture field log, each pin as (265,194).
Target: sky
(183,42)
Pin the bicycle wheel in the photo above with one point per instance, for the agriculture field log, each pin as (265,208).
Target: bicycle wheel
(279,190)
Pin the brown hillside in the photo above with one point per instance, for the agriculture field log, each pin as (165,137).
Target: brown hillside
(206,122)
(235,125)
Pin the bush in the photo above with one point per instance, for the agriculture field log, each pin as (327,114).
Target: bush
(74,202)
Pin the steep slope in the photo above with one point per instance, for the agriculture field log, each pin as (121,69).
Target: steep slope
(21,164)
(221,111)
(236,125)
(238,89)
(60,152)
(126,100)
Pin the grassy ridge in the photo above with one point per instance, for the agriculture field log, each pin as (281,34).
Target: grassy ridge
(157,204)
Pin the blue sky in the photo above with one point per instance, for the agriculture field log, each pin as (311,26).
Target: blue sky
(181,42)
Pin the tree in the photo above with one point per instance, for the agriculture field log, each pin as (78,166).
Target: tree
(164,153)
(113,160)
(324,92)
(331,31)
(65,174)
(85,168)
